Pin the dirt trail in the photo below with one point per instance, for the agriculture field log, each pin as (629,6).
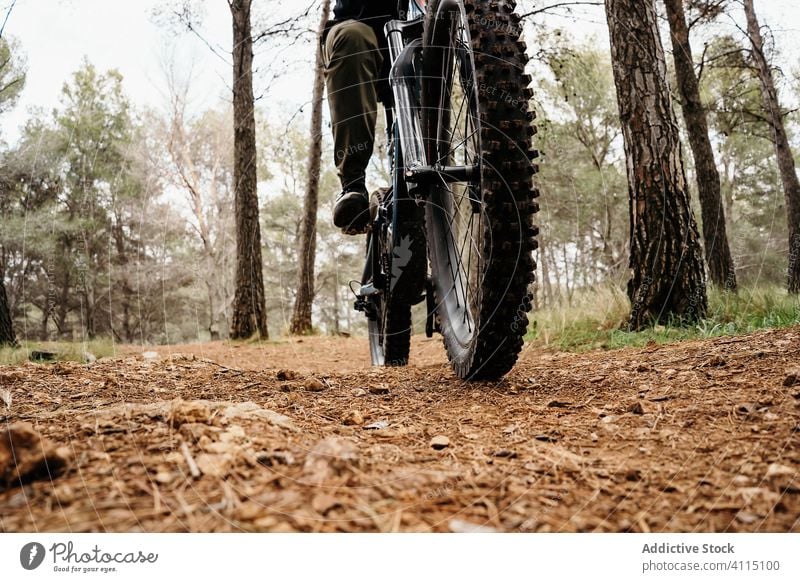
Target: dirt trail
(304,436)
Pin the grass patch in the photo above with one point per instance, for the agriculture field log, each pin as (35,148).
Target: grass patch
(67,351)
(596,319)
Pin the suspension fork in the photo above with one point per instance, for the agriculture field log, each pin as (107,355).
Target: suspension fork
(403,81)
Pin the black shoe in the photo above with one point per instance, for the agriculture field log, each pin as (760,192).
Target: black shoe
(351,212)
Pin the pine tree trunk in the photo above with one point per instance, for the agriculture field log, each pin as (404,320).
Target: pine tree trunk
(249,309)
(301,317)
(667,274)
(717,251)
(786,165)
(7,336)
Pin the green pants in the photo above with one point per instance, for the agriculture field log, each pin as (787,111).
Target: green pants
(353,63)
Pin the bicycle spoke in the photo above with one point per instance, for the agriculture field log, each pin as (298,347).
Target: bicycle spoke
(460,143)
(458,277)
(468,233)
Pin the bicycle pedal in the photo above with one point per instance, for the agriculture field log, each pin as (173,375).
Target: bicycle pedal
(368,290)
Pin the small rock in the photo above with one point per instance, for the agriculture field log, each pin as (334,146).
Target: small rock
(746,517)
(440,442)
(313,385)
(359,392)
(741,480)
(558,404)
(462,526)
(286,375)
(379,425)
(379,389)
(596,379)
(778,470)
(636,408)
(594,437)
(89,357)
(164,477)
(353,418)
(545,438)
(150,355)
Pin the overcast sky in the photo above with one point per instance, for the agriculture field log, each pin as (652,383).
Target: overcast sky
(55,35)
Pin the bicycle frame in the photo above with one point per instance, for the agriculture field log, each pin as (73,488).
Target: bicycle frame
(413,175)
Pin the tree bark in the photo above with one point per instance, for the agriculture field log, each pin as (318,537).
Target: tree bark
(717,250)
(667,275)
(786,165)
(7,336)
(249,309)
(301,317)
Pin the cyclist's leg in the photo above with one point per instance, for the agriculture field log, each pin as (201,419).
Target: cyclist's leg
(353,64)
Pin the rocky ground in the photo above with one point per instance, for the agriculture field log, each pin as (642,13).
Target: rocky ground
(304,436)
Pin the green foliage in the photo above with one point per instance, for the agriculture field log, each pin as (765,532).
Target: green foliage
(66,351)
(583,183)
(596,318)
(338,257)
(12,73)
(751,186)
(80,248)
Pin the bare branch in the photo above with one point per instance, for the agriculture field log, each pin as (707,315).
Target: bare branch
(559,5)
(8,14)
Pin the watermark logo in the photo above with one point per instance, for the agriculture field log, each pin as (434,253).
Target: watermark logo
(402,255)
(31,555)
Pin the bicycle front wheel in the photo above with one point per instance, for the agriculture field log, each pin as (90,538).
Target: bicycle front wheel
(480,233)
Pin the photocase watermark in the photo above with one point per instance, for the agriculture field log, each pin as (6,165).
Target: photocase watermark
(66,558)
(534,520)
(31,555)
(446,489)
(352,149)
(695,301)
(641,294)
(401,256)
(794,256)
(507,97)
(521,316)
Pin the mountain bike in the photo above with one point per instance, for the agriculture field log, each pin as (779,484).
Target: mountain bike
(455,228)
